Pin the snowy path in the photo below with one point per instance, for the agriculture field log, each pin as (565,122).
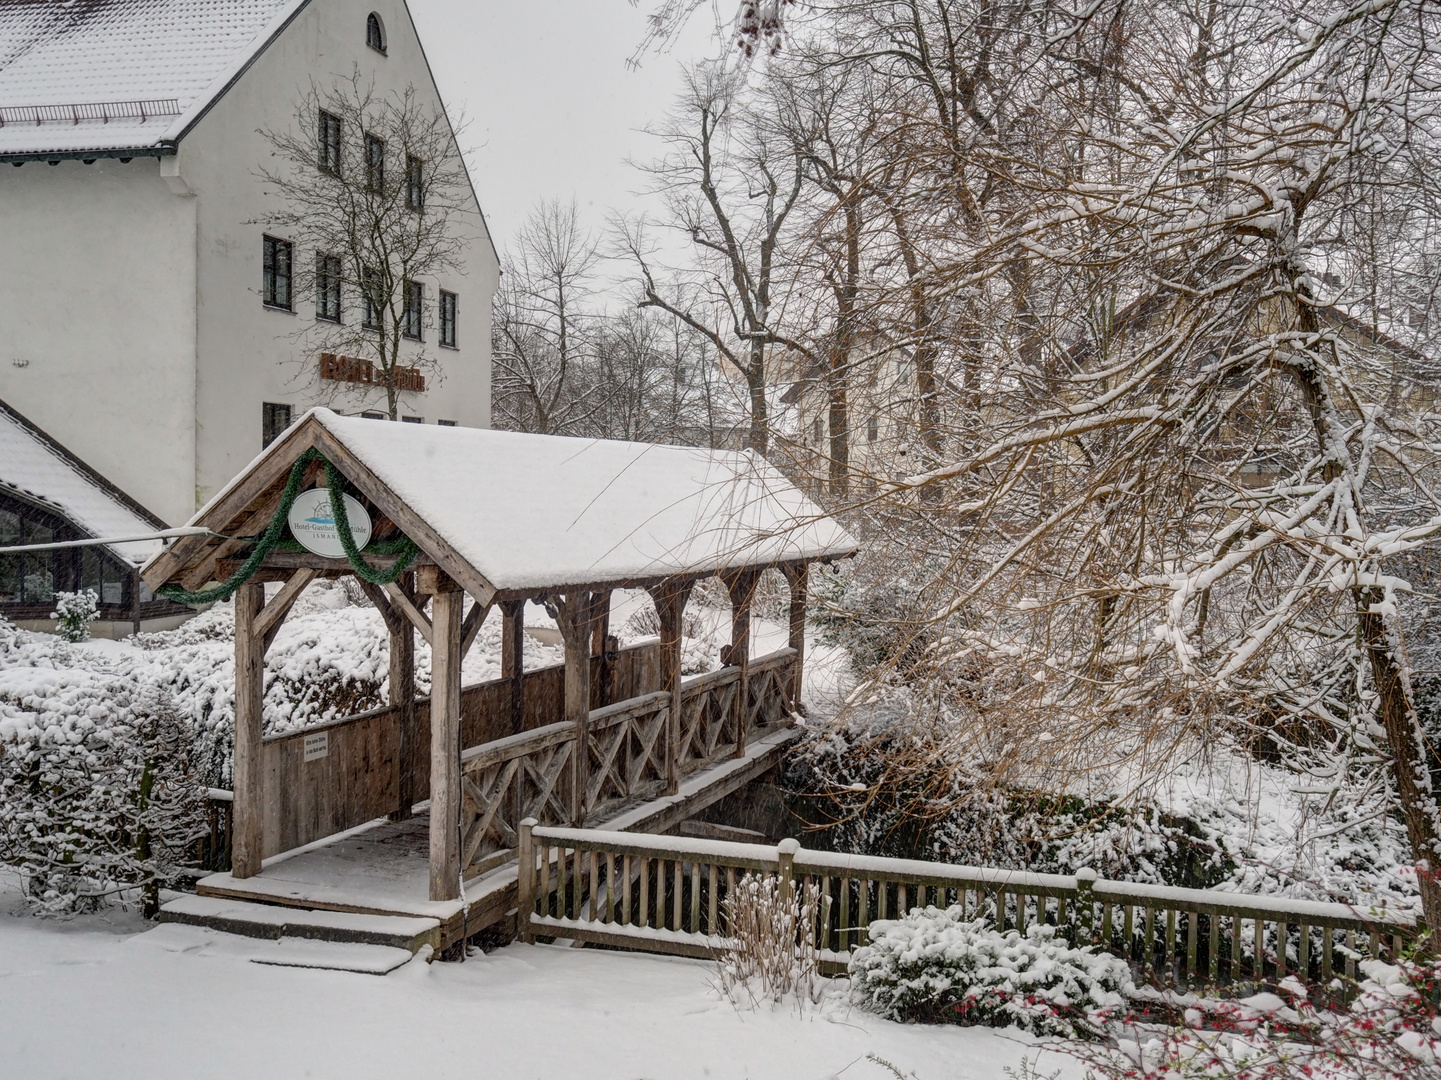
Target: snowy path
(97,999)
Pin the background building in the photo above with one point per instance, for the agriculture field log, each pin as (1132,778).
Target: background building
(134,323)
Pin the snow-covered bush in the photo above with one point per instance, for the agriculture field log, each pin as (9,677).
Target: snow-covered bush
(774,955)
(935,966)
(1392,1031)
(98,800)
(74,612)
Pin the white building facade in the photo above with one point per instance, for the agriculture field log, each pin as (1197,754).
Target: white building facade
(133,321)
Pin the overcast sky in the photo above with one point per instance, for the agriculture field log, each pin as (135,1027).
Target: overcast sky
(552,107)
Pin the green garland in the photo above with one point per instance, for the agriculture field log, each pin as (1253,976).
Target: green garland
(274,536)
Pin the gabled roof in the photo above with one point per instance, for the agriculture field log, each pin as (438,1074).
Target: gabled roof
(38,469)
(502,511)
(106,75)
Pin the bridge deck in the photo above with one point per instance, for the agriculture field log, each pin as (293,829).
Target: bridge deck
(382,867)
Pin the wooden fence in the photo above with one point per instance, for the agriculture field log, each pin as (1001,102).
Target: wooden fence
(530,775)
(667,894)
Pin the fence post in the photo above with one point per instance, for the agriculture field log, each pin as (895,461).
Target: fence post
(525,881)
(786,850)
(1086,905)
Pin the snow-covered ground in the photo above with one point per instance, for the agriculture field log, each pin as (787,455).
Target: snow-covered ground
(102,996)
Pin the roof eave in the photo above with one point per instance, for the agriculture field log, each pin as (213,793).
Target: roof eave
(154,150)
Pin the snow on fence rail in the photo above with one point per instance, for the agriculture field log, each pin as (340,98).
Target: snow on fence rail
(666,894)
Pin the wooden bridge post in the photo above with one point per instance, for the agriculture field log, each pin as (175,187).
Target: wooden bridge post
(670,597)
(512,659)
(402,697)
(525,880)
(600,648)
(248,777)
(742,587)
(797,575)
(574,613)
(447,604)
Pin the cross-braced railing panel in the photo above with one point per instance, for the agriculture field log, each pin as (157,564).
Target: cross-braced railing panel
(624,757)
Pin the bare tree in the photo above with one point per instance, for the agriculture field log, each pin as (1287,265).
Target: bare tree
(373,193)
(730,186)
(543,327)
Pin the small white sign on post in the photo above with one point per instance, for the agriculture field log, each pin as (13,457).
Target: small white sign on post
(317,745)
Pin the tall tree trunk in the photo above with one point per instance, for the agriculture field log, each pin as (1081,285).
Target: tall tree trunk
(758,439)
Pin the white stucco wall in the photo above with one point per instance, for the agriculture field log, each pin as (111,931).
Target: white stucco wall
(249,354)
(97,302)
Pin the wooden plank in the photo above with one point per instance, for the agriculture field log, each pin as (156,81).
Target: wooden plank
(246,846)
(445,747)
(574,613)
(742,587)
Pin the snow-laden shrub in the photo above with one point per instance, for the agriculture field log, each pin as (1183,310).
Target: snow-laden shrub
(99,801)
(74,612)
(1392,1031)
(935,966)
(772,930)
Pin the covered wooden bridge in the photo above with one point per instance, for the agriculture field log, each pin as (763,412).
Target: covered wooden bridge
(433,515)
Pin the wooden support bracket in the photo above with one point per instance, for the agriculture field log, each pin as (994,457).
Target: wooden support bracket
(267,624)
(471,627)
(407,603)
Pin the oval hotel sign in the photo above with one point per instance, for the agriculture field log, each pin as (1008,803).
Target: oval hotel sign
(312,524)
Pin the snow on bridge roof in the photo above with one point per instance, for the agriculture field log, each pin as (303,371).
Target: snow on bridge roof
(532,512)
(35,467)
(79,75)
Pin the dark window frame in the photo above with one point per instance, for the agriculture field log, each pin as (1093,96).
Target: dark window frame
(369,308)
(449,319)
(328,296)
(374,162)
(412,419)
(277,277)
(445,423)
(328,135)
(414,183)
(271,415)
(375,33)
(412,319)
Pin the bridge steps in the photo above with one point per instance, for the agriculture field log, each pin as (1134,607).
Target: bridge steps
(400,935)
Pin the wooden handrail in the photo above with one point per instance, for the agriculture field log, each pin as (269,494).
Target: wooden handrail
(1166,933)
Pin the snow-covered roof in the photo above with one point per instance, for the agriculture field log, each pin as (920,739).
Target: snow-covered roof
(36,467)
(121,74)
(542,511)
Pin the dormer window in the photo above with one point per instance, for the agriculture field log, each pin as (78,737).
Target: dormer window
(375,32)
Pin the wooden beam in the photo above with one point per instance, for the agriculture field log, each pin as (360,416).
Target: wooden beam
(248,777)
(408,604)
(797,575)
(267,623)
(742,588)
(670,597)
(600,647)
(512,659)
(394,620)
(471,629)
(574,614)
(445,796)
(266,481)
(402,695)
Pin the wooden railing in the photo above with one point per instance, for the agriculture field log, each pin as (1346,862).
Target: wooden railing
(624,759)
(666,894)
(357,778)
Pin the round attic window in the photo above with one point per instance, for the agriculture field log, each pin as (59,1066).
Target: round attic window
(375,32)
